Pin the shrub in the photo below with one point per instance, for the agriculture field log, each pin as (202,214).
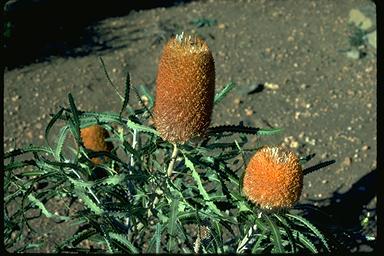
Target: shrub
(162,190)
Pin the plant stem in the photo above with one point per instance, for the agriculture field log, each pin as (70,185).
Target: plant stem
(173,160)
(134,142)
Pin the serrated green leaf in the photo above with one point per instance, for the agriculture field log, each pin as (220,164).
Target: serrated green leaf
(27,149)
(89,202)
(18,165)
(113,180)
(44,210)
(220,96)
(156,239)
(269,132)
(126,94)
(81,183)
(76,239)
(200,186)
(278,244)
(109,79)
(74,111)
(141,128)
(123,240)
(311,227)
(172,222)
(52,122)
(288,231)
(60,142)
(75,130)
(305,241)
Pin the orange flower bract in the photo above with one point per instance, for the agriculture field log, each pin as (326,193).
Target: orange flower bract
(273,178)
(93,138)
(185,89)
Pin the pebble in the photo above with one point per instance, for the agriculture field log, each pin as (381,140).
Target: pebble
(15,98)
(271,86)
(237,101)
(38,126)
(29,134)
(365,148)
(347,161)
(248,112)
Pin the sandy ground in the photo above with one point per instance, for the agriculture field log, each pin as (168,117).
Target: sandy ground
(290,63)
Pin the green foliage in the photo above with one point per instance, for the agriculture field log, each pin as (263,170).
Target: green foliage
(202,22)
(129,203)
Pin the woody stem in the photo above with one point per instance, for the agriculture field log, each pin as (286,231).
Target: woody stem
(173,160)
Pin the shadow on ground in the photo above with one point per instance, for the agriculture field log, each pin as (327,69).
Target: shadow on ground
(342,214)
(37,30)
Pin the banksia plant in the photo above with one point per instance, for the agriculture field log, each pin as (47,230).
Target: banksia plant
(185,89)
(144,200)
(273,178)
(93,138)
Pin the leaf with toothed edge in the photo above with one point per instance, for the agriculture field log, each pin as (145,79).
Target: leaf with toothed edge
(220,96)
(126,94)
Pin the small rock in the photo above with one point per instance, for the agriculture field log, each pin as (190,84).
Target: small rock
(294,144)
(365,148)
(353,54)
(324,181)
(248,112)
(237,101)
(15,98)
(347,161)
(29,134)
(38,126)
(221,26)
(371,37)
(359,19)
(271,86)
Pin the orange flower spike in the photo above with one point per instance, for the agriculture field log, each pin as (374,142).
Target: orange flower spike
(185,89)
(273,178)
(94,139)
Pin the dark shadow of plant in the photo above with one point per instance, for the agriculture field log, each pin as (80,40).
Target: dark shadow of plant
(346,215)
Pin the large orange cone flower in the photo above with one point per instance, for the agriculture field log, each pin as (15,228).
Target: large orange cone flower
(185,89)
(93,138)
(273,178)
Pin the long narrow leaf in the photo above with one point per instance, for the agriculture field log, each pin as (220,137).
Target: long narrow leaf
(52,122)
(141,128)
(60,142)
(172,222)
(27,149)
(219,96)
(311,227)
(109,79)
(123,240)
(126,94)
(200,186)
(278,244)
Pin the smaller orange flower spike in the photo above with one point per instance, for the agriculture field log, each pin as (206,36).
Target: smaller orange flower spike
(273,178)
(94,139)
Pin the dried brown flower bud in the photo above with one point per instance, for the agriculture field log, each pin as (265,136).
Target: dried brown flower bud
(185,89)
(273,178)
(93,138)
